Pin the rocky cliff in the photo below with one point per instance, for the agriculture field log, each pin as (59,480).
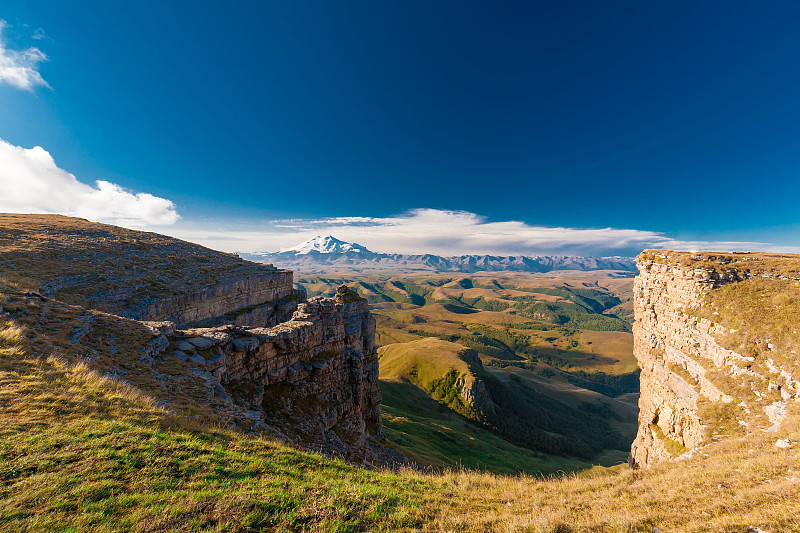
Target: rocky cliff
(709,370)
(315,376)
(208,334)
(140,275)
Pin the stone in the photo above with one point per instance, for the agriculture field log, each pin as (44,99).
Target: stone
(318,370)
(216,361)
(185,346)
(783,443)
(157,328)
(669,336)
(198,359)
(180,355)
(202,342)
(245,344)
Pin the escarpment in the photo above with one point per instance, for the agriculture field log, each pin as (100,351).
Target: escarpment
(312,379)
(710,369)
(207,334)
(140,275)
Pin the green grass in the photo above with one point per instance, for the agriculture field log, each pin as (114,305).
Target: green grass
(80,453)
(674,448)
(432,434)
(425,361)
(112,475)
(524,414)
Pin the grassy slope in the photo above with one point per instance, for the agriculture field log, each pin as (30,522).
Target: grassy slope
(97,261)
(529,411)
(79,453)
(112,345)
(432,434)
(427,432)
(413,360)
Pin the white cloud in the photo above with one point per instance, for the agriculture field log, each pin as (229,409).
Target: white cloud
(20,68)
(446,233)
(30,182)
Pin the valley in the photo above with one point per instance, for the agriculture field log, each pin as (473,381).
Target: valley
(551,352)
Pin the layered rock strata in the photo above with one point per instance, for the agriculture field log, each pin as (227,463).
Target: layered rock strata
(260,357)
(140,275)
(257,299)
(250,296)
(473,390)
(315,376)
(680,358)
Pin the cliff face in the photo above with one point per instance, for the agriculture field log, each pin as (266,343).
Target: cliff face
(692,385)
(313,378)
(255,299)
(260,357)
(473,390)
(140,275)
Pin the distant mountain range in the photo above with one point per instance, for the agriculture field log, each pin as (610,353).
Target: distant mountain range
(329,253)
(325,245)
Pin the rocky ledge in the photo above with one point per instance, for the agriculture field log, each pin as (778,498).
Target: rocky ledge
(312,380)
(686,372)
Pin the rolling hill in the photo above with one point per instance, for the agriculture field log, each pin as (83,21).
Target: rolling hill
(548,345)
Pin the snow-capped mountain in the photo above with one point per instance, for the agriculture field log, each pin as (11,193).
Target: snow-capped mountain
(325,245)
(324,254)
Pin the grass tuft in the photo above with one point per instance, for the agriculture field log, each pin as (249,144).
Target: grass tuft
(11,336)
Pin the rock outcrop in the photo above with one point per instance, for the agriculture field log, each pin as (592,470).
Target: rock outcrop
(473,390)
(313,378)
(263,298)
(686,372)
(141,275)
(209,333)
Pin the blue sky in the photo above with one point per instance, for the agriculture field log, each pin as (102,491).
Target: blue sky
(511,124)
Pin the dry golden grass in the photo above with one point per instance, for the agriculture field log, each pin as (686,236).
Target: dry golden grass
(111,346)
(426,360)
(11,336)
(761,312)
(755,263)
(81,451)
(106,267)
(612,349)
(735,484)
(730,490)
